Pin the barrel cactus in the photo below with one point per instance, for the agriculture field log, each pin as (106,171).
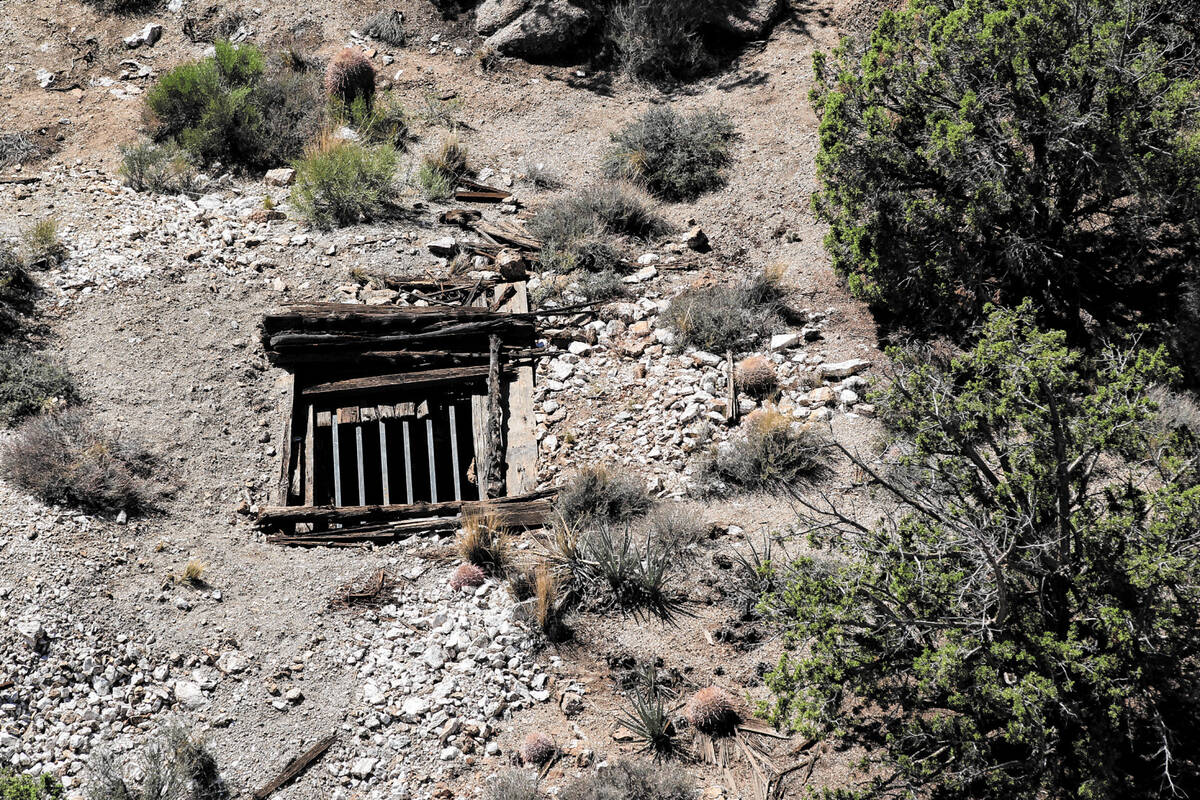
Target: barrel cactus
(467,575)
(350,77)
(712,711)
(755,376)
(538,748)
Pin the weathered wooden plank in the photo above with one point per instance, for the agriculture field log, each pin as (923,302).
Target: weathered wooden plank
(433,493)
(289,431)
(324,419)
(295,767)
(521,448)
(383,459)
(348,415)
(272,516)
(454,452)
(408,481)
(401,380)
(362,473)
(310,443)
(493,459)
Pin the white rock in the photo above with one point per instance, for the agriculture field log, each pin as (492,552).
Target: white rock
(363,767)
(283,176)
(842,369)
(785,341)
(189,694)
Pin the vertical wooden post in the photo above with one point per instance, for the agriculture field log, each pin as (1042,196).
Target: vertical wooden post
(733,412)
(310,442)
(454,453)
(493,460)
(433,496)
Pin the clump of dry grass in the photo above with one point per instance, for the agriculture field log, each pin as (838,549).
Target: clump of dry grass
(65,458)
(441,169)
(193,572)
(43,245)
(598,494)
(482,542)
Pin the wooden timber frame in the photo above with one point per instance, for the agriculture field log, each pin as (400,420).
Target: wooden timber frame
(402,419)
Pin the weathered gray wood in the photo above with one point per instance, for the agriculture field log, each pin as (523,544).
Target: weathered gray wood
(337,464)
(383,458)
(454,453)
(295,767)
(494,447)
(362,474)
(520,437)
(401,380)
(274,516)
(310,440)
(432,462)
(408,483)
(287,467)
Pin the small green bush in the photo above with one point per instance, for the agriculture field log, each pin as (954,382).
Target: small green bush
(344,183)
(773,454)
(30,384)
(599,286)
(675,157)
(726,317)
(386,27)
(43,245)
(15,786)
(226,109)
(383,121)
(441,169)
(64,458)
(633,780)
(159,168)
(601,495)
(434,185)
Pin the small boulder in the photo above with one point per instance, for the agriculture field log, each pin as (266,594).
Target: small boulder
(446,247)
(283,176)
(511,265)
(697,240)
(842,369)
(785,341)
(147,36)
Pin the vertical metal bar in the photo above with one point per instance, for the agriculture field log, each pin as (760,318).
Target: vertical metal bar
(362,475)
(454,453)
(310,444)
(337,462)
(407,461)
(432,464)
(383,465)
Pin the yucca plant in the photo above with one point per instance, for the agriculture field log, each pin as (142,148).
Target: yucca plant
(649,720)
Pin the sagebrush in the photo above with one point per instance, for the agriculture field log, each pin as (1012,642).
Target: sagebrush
(727,316)
(601,494)
(773,453)
(343,183)
(30,383)
(633,780)
(674,156)
(174,765)
(66,458)
(164,168)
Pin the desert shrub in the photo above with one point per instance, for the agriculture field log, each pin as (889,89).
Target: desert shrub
(31,384)
(15,786)
(441,169)
(17,289)
(675,526)
(384,121)
(350,77)
(386,27)
(674,156)
(600,494)
(573,231)
(443,113)
(159,168)
(173,766)
(633,780)
(541,176)
(43,246)
(657,39)
(773,453)
(343,183)
(512,785)
(482,542)
(15,148)
(226,109)
(597,286)
(64,458)
(726,317)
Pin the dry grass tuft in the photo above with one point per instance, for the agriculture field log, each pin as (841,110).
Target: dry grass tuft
(481,541)
(193,572)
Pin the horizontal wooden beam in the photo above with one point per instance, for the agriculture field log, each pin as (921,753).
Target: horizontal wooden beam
(399,380)
(276,516)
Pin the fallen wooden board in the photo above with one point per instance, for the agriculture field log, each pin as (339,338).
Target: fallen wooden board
(480,197)
(533,515)
(507,234)
(296,766)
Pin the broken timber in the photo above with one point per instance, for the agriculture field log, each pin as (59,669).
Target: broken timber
(296,766)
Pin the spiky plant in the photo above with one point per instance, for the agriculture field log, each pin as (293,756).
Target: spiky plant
(467,575)
(755,375)
(538,748)
(349,77)
(648,719)
(713,712)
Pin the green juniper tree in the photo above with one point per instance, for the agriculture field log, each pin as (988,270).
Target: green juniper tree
(978,151)
(1020,615)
